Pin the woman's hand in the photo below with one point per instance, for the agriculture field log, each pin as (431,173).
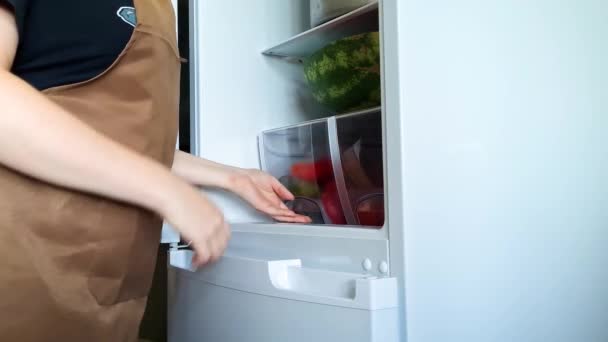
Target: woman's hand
(265,193)
(259,189)
(197,220)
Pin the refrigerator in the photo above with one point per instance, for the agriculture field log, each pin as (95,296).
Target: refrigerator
(471,204)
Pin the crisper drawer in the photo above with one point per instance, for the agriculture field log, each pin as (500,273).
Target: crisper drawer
(333,166)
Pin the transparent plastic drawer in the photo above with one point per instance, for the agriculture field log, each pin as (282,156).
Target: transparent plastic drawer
(333,166)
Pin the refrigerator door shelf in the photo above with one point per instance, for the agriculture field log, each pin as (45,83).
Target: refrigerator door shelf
(289,280)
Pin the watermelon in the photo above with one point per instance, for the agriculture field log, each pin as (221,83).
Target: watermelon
(345,75)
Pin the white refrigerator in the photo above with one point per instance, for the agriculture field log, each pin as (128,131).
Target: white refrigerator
(490,159)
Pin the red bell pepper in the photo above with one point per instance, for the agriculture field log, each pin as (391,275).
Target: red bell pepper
(331,203)
(319,171)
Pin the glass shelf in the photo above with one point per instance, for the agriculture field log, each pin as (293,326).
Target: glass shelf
(361,20)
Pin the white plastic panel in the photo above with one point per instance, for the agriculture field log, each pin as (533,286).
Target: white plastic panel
(288,279)
(245,316)
(504,161)
(169,234)
(330,252)
(258,292)
(243,93)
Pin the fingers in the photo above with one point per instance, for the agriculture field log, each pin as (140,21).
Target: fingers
(214,253)
(275,210)
(293,219)
(278,210)
(213,247)
(266,194)
(202,255)
(218,244)
(282,191)
(270,204)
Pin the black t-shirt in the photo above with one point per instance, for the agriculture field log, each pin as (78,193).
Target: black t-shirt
(69,41)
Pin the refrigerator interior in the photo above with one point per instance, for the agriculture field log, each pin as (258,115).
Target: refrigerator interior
(254,110)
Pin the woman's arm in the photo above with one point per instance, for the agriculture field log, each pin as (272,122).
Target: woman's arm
(40,139)
(262,191)
(202,172)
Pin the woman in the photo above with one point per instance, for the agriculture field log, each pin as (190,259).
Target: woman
(88,170)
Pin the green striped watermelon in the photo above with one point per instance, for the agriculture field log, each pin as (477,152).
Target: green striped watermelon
(345,75)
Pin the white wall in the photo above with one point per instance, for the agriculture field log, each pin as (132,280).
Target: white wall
(239,91)
(505,126)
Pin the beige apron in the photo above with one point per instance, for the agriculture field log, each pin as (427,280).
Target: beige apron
(77,267)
